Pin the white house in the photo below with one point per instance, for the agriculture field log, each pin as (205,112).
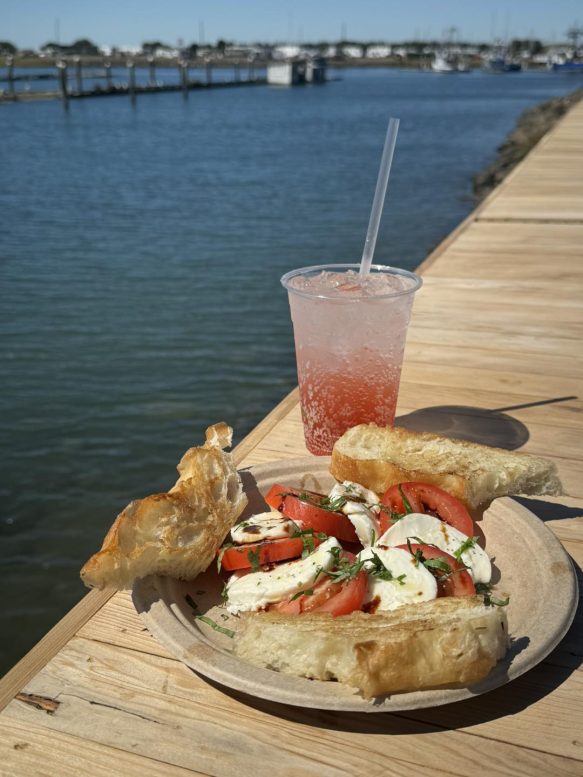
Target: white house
(378,52)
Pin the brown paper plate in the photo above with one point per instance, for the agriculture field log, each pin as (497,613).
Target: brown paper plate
(529,563)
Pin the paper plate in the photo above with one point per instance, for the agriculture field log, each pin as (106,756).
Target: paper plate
(530,565)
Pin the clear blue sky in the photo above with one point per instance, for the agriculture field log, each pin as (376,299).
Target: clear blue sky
(30,23)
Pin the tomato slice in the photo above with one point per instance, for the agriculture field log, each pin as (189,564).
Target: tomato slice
(336,598)
(459,583)
(424,498)
(332,523)
(261,553)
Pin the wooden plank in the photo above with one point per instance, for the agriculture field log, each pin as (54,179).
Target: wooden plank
(498,323)
(27,749)
(535,384)
(547,185)
(58,636)
(50,644)
(497,360)
(563,129)
(173,715)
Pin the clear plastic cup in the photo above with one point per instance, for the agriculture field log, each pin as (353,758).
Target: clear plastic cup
(350,336)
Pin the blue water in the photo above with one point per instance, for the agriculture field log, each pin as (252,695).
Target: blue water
(140,255)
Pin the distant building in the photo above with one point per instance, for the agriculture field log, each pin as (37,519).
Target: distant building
(378,52)
(352,52)
(297,71)
(285,52)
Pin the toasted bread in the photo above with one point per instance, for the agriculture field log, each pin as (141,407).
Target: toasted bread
(451,641)
(179,532)
(379,457)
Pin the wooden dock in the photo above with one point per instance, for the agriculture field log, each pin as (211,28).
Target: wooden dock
(494,351)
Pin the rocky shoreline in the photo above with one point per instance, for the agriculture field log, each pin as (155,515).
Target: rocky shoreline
(530,128)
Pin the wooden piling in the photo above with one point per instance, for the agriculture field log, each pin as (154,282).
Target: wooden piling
(209,71)
(10,75)
(236,73)
(152,67)
(132,80)
(183,74)
(108,81)
(62,78)
(79,75)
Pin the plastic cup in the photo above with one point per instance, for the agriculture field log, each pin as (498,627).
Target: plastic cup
(349,336)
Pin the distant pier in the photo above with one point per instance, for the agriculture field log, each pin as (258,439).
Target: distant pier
(73,81)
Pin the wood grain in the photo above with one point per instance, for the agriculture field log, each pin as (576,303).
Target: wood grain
(177,716)
(26,748)
(498,324)
(58,636)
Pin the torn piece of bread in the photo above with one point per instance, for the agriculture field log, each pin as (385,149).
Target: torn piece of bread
(379,457)
(177,533)
(451,641)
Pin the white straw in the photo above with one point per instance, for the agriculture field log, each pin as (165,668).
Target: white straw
(379,197)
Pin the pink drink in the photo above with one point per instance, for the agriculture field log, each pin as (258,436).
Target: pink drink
(350,337)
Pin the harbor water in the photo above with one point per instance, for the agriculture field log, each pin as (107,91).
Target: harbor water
(140,254)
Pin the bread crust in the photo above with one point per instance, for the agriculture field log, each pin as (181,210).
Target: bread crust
(380,457)
(380,475)
(451,641)
(176,533)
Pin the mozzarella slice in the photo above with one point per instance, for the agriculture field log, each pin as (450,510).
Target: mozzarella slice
(432,531)
(252,591)
(360,514)
(349,489)
(417,585)
(265,526)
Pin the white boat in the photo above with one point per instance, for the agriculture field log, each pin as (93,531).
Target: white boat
(449,63)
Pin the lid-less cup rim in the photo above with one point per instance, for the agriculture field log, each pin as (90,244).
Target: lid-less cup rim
(416,284)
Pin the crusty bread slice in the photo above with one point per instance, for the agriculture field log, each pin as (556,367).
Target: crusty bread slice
(177,533)
(447,641)
(378,457)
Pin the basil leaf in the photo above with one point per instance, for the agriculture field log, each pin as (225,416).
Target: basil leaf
(378,569)
(406,503)
(253,557)
(466,545)
(307,592)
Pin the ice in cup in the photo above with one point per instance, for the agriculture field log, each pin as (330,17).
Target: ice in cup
(350,336)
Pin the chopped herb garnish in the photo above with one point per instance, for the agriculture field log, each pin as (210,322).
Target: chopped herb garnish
(466,545)
(307,538)
(437,563)
(307,592)
(205,619)
(225,593)
(210,622)
(406,503)
(343,569)
(387,511)
(253,557)
(378,569)
(323,502)
(485,589)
